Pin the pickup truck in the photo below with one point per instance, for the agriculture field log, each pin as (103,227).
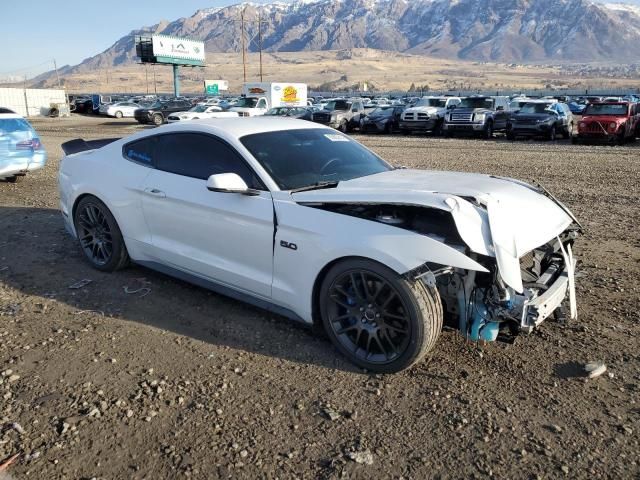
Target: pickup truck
(345,115)
(427,115)
(615,122)
(478,116)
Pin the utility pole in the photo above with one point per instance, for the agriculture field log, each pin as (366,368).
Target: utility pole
(260,40)
(155,86)
(244,55)
(55,67)
(26,102)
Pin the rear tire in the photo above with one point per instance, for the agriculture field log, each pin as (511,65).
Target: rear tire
(12,179)
(378,319)
(99,235)
(343,127)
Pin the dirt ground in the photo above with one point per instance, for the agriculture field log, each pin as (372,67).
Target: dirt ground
(177,382)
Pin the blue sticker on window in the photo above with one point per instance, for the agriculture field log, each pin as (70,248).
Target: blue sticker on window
(141,157)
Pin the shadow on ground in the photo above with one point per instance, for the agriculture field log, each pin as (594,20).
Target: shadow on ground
(40,259)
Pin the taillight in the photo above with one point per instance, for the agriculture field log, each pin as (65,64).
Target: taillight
(33,144)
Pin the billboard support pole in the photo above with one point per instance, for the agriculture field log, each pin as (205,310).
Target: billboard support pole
(176,80)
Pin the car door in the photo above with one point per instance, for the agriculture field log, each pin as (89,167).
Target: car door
(223,237)
(501,114)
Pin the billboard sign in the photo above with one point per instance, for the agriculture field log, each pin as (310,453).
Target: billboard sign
(176,50)
(214,87)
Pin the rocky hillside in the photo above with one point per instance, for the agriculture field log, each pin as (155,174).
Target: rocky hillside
(483,30)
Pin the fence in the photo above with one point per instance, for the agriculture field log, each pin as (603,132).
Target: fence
(30,102)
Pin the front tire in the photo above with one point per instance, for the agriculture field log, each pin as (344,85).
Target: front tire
(553,134)
(158,119)
(378,319)
(99,236)
(118,115)
(488,131)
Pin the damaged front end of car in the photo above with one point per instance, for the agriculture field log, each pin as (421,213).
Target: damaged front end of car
(529,274)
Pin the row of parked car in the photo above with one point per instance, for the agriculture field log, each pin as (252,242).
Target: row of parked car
(612,119)
(615,119)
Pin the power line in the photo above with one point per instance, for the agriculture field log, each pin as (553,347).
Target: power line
(25,68)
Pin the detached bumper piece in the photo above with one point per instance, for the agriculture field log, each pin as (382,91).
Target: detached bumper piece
(538,309)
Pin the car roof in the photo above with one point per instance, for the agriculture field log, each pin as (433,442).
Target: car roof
(242,126)
(10,115)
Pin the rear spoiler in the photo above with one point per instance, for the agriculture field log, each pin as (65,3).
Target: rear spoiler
(79,145)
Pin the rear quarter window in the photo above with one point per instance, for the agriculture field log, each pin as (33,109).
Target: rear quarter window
(141,151)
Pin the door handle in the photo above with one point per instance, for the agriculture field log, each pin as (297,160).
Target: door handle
(155,192)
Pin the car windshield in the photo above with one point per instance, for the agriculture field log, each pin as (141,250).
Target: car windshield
(277,112)
(10,125)
(199,108)
(300,158)
(473,102)
(247,102)
(431,102)
(382,112)
(337,105)
(536,108)
(606,109)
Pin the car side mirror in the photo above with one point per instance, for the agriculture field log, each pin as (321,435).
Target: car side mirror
(229,183)
(451,107)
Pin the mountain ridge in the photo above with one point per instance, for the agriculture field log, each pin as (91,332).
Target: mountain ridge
(483,30)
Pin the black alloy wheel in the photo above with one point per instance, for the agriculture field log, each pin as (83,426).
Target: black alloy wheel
(99,235)
(378,319)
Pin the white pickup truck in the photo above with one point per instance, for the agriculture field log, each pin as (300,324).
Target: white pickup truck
(427,115)
(257,98)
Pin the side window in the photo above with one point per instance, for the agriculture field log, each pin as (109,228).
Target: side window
(200,156)
(262,103)
(141,151)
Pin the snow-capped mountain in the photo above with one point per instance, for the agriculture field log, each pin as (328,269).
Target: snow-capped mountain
(491,30)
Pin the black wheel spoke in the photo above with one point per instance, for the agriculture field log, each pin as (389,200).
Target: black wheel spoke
(393,316)
(354,283)
(396,329)
(346,329)
(365,286)
(338,301)
(386,303)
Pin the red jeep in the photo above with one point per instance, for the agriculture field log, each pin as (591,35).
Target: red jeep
(609,121)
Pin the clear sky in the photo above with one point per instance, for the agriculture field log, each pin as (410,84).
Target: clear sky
(34,32)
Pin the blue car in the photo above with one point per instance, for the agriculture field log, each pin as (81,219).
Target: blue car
(576,108)
(20,148)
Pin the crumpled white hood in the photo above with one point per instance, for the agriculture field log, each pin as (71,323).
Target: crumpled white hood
(513,220)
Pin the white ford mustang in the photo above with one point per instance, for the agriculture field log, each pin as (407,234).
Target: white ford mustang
(306,222)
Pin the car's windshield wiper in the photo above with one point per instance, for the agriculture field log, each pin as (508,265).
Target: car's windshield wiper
(316,186)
